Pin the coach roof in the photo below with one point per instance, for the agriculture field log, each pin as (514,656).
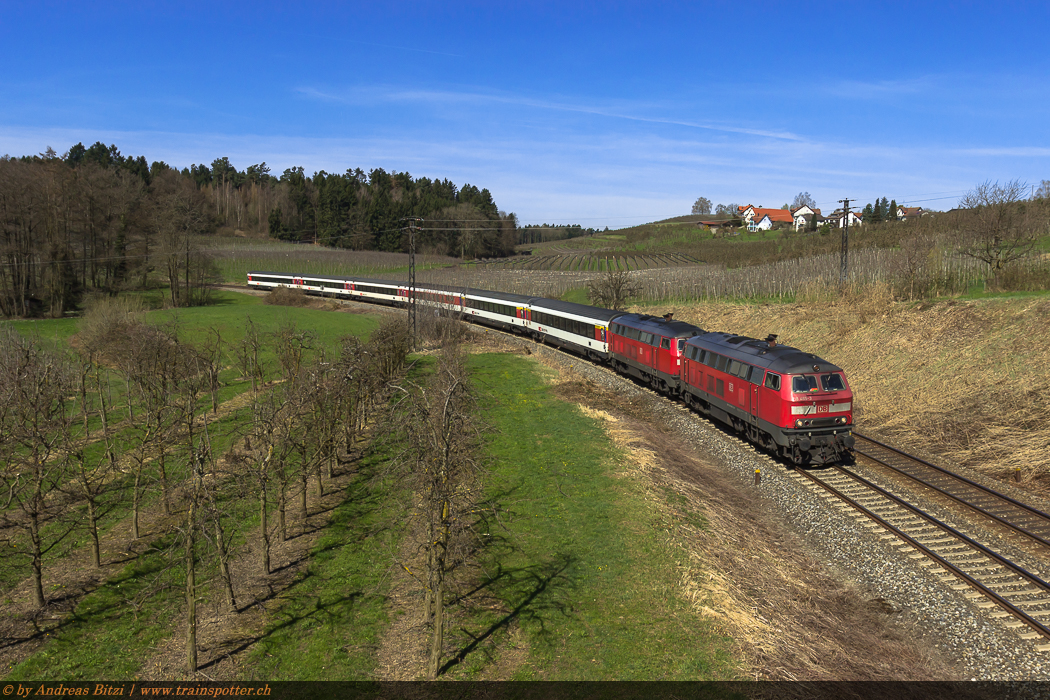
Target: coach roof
(568,307)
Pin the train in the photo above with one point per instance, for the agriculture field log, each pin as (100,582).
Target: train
(794,404)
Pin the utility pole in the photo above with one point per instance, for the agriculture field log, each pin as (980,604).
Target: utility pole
(844,264)
(412,226)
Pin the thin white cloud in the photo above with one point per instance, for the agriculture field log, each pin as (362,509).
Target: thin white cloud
(879,89)
(444,97)
(1013,151)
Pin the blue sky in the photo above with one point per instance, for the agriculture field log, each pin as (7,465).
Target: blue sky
(603,114)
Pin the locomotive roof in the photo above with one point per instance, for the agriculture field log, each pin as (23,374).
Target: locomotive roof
(780,358)
(658,326)
(570,307)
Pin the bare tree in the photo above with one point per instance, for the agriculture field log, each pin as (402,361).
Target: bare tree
(444,458)
(35,389)
(996,225)
(702,206)
(613,290)
(180,214)
(803,199)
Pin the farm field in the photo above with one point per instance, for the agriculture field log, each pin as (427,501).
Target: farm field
(333,592)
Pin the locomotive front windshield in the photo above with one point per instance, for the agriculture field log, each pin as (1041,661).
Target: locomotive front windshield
(807,383)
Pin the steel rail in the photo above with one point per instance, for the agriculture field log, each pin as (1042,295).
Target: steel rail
(1006,605)
(969,482)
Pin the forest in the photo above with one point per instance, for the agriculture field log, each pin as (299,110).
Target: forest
(93,219)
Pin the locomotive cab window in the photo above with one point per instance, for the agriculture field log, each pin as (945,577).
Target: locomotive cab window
(773,381)
(803,383)
(832,382)
(665,343)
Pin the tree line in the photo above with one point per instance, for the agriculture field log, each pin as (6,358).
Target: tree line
(93,219)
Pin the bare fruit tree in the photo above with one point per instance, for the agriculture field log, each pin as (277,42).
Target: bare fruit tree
(997,225)
(36,390)
(444,457)
(613,290)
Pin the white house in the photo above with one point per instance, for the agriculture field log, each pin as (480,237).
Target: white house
(803,215)
(839,221)
(905,213)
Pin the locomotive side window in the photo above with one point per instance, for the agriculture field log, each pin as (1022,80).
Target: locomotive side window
(832,382)
(773,381)
(721,366)
(681,344)
(711,360)
(665,343)
(756,375)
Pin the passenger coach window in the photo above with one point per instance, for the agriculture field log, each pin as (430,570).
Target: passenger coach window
(773,381)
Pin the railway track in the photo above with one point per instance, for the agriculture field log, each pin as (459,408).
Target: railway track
(983,575)
(989,504)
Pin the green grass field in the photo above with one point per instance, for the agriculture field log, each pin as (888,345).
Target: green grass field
(585,575)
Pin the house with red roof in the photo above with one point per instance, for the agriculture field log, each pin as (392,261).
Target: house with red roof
(759,219)
(905,213)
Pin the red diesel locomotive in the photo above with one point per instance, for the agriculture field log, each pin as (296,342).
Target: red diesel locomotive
(650,348)
(791,402)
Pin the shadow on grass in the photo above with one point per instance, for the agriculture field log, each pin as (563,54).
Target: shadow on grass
(336,611)
(539,590)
